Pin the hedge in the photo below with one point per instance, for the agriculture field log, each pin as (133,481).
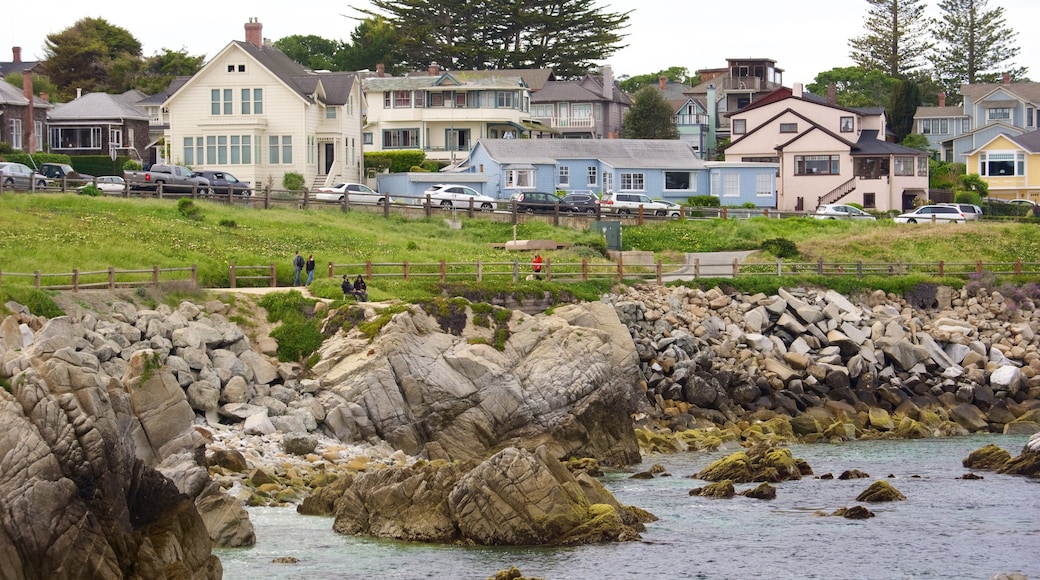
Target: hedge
(88,164)
(396,161)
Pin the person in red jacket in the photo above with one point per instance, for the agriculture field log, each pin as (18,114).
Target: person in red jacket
(536,266)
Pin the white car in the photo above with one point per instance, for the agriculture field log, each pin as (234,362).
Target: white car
(628,203)
(841,211)
(674,210)
(450,195)
(108,184)
(18,175)
(357,192)
(925,214)
(970,211)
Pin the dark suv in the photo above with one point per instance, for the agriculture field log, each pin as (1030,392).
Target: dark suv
(585,202)
(223,183)
(541,202)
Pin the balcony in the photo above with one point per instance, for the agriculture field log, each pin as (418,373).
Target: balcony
(691,120)
(567,122)
(751,84)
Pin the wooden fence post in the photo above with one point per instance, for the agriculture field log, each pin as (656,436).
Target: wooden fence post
(194,275)
(978,267)
(368,269)
(859,268)
(332,274)
(480,270)
(516,265)
(231,276)
(444,273)
(36,279)
(307,198)
(724,213)
(584,270)
(274,275)
(942,268)
(620,267)
(819,267)
(658,273)
(267,197)
(779,266)
(75,279)
(696,268)
(1018,267)
(736,268)
(111,277)
(548,270)
(639,216)
(405,270)
(155,274)
(386,206)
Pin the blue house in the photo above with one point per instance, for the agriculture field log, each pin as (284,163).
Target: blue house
(662,169)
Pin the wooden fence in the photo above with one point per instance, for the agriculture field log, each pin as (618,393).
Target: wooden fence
(516,270)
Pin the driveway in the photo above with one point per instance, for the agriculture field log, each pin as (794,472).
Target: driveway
(713,265)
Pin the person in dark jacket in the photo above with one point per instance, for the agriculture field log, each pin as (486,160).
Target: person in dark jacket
(347,287)
(310,270)
(360,289)
(298,264)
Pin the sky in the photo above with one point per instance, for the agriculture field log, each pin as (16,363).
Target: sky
(804,37)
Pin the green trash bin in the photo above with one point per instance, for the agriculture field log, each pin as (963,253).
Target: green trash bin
(611,231)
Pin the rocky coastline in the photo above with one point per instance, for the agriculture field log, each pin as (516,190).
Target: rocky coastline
(169,419)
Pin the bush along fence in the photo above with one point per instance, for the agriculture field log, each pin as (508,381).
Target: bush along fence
(515,271)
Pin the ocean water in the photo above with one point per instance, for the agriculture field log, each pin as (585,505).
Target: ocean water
(947,528)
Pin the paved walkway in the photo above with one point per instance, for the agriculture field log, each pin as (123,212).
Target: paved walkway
(713,265)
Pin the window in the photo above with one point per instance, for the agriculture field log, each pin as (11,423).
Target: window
(816,165)
(904,166)
(366,138)
(115,137)
(189,150)
(739,126)
(236,149)
(870,167)
(457,139)
(287,149)
(1029,116)
(731,185)
(280,148)
(221,101)
(438,100)
(236,68)
(608,182)
(247,102)
(211,149)
(632,182)
(460,100)
(581,111)
(16,134)
(788,127)
(506,100)
(400,138)
(998,113)
(965,125)
(592,177)
(677,180)
(402,99)
(330,112)
(922,166)
(542,111)
(563,175)
(934,126)
(847,125)
(39,135)
(214,101)
(258,101)
(72,137)
(868,200)
(386,100)
(519,178)
(228,101)
(764,184)
(1002,164)
(222,149)
(760,159)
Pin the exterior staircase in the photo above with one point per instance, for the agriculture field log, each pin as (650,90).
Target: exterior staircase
(837,193)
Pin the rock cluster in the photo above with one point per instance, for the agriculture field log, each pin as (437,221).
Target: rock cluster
(838,367)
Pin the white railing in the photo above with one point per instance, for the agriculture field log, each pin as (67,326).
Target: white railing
(568,122)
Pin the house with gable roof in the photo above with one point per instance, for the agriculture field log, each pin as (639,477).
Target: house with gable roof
(691,116)
(98,124)
(827,153)
(254,112)
(661,168)
(444,113)
(590,108)
(22,116)
(1010,165)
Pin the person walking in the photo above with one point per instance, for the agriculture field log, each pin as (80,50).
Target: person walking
(298,264)
(310,269)
(536,266)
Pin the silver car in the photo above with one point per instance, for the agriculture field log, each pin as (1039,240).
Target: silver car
(970,211)
(359,193)
(20,176)
(449,195)
(926,213)
(835,211)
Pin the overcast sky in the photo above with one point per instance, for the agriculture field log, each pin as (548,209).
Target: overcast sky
(804,37)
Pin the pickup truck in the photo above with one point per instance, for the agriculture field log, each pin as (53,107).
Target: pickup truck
(173,178)
(64,171)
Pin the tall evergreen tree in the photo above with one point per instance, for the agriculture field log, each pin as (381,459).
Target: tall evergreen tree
(651,117)
(313,52)
(897,37)
(373,42)
(568,36)
(92,55)
(975,44)
(905,100)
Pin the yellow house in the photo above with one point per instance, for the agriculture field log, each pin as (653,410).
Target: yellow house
(1010,164)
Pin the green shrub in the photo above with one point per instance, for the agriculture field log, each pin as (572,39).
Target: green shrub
(297,339)
(780,247)
(188,209)
(704,201)
(228,223)
(132,165)
(971,197)
(418,169)
(37,301)
(431,165)
(292,181)
(395,161)
(858,206)
(89,189)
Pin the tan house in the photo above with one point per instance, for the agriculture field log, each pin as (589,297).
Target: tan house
(1010,165)
(444,113)
(254,112)
(827,153)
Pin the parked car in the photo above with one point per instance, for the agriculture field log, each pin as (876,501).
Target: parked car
(628,203)
(674,210)
(60,171)
(970,211)
(222,182)
(19,175)
(925,213)
(357,192)
(1027,202)
(170,178)
(835,211)
(541,202)
(450,195)
(107,184)
(585,202)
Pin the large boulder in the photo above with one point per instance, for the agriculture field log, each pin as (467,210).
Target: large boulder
(570,380)
(1026,463)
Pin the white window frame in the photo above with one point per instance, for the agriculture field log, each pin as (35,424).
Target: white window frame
(39,135)
(998,113)
(519,178)
(608,182)
(16,134)
(592,173)
(739,126)
(731,184)
(563,175)
(632,181)
(764,184)
(903,166)
(115,137)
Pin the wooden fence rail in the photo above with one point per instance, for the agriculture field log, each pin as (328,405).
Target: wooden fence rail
(110,278)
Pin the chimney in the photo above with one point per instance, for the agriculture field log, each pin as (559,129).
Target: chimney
(17,52)
(45,97)
(832,93)
(380,69)
(29,128)
(1007,78)
(663,82)
(608,83)
(942,99)
(710,144)
(255,32)
(434,69)
(79,92)
(796,90)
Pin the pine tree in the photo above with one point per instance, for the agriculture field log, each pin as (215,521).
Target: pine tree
(897,37)
(905,100)
(651,117)
(975,44)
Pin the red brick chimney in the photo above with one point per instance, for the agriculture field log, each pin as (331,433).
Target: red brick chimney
(255,32)
(29,127)
(17,52)
(663,82)
(1007,78)
(942,99)
(380,69)
(434,69)
(832,93)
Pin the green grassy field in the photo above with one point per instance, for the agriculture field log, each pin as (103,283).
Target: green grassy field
(58,232)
